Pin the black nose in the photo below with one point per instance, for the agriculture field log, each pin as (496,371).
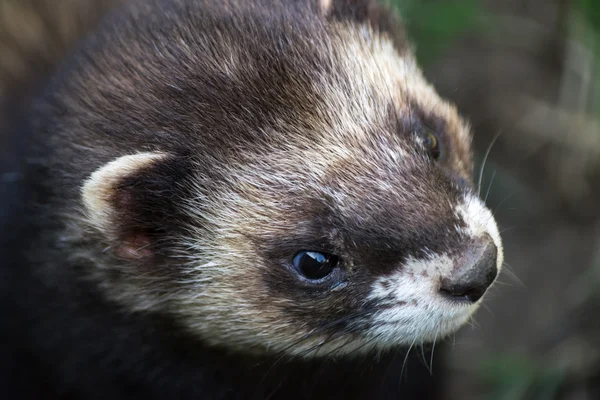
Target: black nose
(476,273)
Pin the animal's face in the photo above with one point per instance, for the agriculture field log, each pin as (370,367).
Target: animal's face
(368,235)
(335,214)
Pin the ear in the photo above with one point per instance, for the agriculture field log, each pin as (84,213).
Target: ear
(354,9)
(324,6)
(131,201)
(382,18)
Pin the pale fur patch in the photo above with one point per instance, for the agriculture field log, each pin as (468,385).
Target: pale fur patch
(416,313)
(325,6)
(99,188)
(479,220)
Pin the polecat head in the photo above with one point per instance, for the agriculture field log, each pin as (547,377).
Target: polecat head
(277,179)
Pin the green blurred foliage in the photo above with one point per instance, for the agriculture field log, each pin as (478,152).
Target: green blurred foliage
(515,376)
(585,28)
(434,24)
(590,9)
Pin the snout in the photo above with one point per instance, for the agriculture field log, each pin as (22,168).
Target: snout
(473,274)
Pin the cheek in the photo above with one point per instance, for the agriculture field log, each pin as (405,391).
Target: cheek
(238,312)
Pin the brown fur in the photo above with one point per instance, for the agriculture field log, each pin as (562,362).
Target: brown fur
(186,151)
(264,135)
(256,129)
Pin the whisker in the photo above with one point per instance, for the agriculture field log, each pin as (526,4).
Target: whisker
(497,208)
(317,346)
(489,187)
(510,273)
(275,389)
(485,157)
(486,308)
(406,359)
(423,354)
(324,328)
(341,346)
(320,345)
(436,104)
(456,89)
(502,283)
(472,323)
(366,343)
(432,351)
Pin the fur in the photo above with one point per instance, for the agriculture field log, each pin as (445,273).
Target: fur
(187,150)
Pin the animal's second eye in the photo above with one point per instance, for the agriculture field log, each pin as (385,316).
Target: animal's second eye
(314,265)
(432,145)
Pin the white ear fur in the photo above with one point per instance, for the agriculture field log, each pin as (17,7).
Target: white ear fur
(325,6)
(98,189)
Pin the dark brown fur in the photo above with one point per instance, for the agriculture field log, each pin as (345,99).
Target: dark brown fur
(258,136)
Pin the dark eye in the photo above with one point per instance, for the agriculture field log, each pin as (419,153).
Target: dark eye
(432,144)
(314,265)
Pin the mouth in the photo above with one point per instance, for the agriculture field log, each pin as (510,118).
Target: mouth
(421,325)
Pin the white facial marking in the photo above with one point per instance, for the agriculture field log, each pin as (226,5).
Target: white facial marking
(412,308)
(479,221)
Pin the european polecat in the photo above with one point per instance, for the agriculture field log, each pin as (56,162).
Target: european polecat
(238,199)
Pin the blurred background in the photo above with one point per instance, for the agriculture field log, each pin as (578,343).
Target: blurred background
(526,73)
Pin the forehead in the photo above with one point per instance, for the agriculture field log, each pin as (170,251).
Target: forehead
(382,90)
(341,84)
(295,81)
(336,105)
